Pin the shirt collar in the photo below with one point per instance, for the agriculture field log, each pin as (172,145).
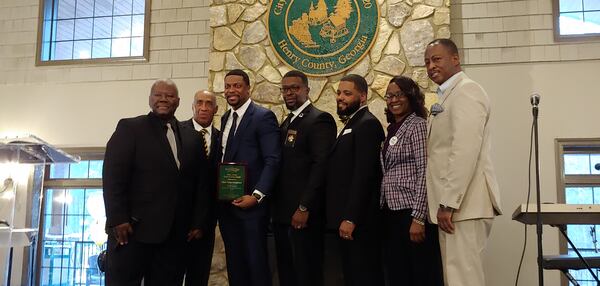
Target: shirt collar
(445,85)
(199,127)
(299,110)
(357,111)
(240,111)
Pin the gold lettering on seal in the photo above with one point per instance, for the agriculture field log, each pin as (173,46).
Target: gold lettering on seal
(279,7)
(355,51)
(283,45)
(317,66)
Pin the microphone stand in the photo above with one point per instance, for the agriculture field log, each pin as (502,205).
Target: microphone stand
(538,219)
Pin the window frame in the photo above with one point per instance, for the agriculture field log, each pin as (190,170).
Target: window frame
(85,153)
(563,181)
(110,60)
(568,38)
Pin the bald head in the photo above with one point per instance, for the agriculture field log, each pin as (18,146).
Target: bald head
(204,107)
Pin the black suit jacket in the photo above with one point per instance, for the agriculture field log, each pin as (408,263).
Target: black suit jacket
(143,185)
(214,158)
(305,146)
(354,173)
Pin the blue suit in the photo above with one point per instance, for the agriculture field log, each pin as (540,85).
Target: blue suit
(256,144)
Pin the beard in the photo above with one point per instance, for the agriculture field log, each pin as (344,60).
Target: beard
(351,108)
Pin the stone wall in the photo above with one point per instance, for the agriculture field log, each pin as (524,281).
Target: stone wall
(240,41)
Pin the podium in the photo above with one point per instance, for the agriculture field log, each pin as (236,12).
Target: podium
(22,161)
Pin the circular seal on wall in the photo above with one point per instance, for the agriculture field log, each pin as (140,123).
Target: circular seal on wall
(322,37)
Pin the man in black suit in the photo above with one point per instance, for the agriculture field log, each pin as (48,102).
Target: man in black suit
(155,201)
(307,135)
(353,183)
(200,253)
(250,137)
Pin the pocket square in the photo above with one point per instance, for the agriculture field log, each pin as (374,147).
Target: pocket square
(347,131)
(436,109)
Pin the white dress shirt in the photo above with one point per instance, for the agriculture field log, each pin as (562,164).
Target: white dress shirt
(240,112)
(299,110)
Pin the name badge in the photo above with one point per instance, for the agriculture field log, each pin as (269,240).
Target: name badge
(393,140)
(290,138)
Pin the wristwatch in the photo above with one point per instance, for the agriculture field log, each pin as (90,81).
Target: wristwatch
(302,208)
(258,196)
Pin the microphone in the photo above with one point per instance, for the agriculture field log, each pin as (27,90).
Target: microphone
(597,167)
(534,99)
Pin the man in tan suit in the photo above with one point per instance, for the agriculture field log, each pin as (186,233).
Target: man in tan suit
(462,190)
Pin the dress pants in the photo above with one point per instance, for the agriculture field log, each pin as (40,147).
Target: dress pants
(199,255)
(245,242)
(462,252)
(159,264)
(299,255)
(361,257)
(407,263)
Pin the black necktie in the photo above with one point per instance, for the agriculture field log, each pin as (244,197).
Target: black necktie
(231,135)
(287,121)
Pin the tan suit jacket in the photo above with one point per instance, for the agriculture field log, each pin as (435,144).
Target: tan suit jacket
(459,168)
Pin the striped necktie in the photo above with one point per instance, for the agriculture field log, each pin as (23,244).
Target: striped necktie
(203,132)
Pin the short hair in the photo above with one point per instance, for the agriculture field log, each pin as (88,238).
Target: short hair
(166,81)
(206,92)
(359,82)
(447,43)
(241,73)
(295,73)
(416,98)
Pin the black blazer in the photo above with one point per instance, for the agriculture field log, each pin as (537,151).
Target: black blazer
(354,173)
(305,145)
(143,185)
(214,157)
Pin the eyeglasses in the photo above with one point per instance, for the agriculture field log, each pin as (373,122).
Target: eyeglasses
(389,96)
(292,88)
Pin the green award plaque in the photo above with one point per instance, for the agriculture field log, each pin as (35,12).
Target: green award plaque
(232,181)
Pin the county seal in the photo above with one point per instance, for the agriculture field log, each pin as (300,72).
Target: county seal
(322,37)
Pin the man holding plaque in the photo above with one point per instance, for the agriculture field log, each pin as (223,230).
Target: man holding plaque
(154,197)
(251,154)
(199,257)
(353,184)
(307,135)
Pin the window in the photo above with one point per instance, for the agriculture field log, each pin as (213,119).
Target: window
(75,31)
(579,183)
(576,19)
(72,222)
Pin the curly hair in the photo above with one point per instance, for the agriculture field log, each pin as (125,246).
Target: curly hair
(416,98)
